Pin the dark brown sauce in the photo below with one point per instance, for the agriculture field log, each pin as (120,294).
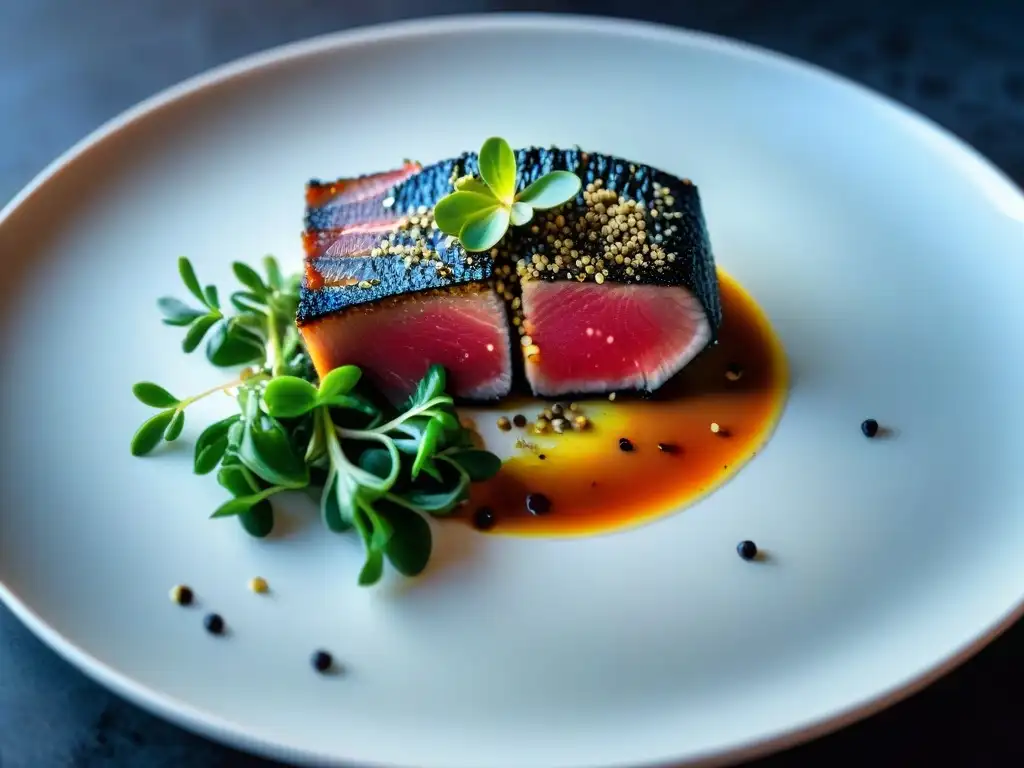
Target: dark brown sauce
(595,486)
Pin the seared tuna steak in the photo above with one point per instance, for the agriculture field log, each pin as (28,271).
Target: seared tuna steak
(614,290)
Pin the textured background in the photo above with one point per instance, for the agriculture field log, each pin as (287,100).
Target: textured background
(66,67)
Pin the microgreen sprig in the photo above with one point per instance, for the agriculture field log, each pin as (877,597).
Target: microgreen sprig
(479,211)
(375,469)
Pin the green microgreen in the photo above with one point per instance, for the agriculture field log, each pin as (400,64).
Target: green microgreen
(377,470)
(479,211)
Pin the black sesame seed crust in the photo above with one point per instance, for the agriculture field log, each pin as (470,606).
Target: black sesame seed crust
(682,233)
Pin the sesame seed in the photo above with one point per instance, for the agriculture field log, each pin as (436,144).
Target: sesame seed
(599,278)
(715,427)
(527,340)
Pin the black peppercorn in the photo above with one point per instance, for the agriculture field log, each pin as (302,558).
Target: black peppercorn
(869,427)
(483,519)
(214,623)
(538,504)
(625,444)
(747,550)
(321,661)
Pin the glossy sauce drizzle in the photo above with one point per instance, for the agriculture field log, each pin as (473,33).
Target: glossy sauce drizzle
(595,486)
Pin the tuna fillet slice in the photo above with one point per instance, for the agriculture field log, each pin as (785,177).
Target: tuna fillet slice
(395,340)
(597,338)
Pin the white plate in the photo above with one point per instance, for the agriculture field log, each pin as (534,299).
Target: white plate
(887,254)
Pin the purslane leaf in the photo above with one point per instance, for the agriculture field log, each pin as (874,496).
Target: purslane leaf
(212,299)
(175,426)
(197,331)
(452,212)
(250,278)
(551,189)
(289,396)
(408,549)
(258,520)
(149,435)
(153,395)
(233,344)
(188,277)
(471,184)
(483,231)
(177,312)
(273,271)
(428,444)
(430,386)
(479,465)
(212,444)
(241,504)
(339,381)
(498,168)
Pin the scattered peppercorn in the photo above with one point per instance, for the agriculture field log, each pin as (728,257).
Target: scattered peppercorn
(259,585)
(580,423)
(869,427)
(181,595)
(556,409)
(668,447)
(541,457)
(214,623)
(322,661)
(484,519)
(538,504)
(519,420)
(747,550)
(504,424)
(625,444)
(733,372)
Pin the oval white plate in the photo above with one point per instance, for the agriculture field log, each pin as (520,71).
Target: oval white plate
(887,255)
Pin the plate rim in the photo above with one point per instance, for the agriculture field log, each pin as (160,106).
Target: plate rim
(998,186)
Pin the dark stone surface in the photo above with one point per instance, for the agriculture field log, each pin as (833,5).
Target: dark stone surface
(66,67)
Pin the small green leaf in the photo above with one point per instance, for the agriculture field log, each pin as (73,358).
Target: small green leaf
(472,184)
(236,479)
(258,520)
(551,189)
(210,456)
(353,402)
(521,213)
(231,344)
(498,168)
(339,381)
(197,331)
(250,278)
(240,504)
(153,395)
(376,461)
(445,419)
(428,444)
(212,444)
(452,212)
(483,231)
(336,504)
(176,312)
(439,502)
(246,301)
(430,386)
(479,465)
(149,435)
(212,299)
(289,396)
(177,424)
(408,549)
(373,568)
(188,277)
(269,454)
(273,271)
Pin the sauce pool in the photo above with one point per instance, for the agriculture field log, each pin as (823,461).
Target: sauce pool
(595,485)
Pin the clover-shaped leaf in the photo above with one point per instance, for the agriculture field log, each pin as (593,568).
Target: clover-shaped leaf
(479,211)
(498,168)
(483,231)
(551,189)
